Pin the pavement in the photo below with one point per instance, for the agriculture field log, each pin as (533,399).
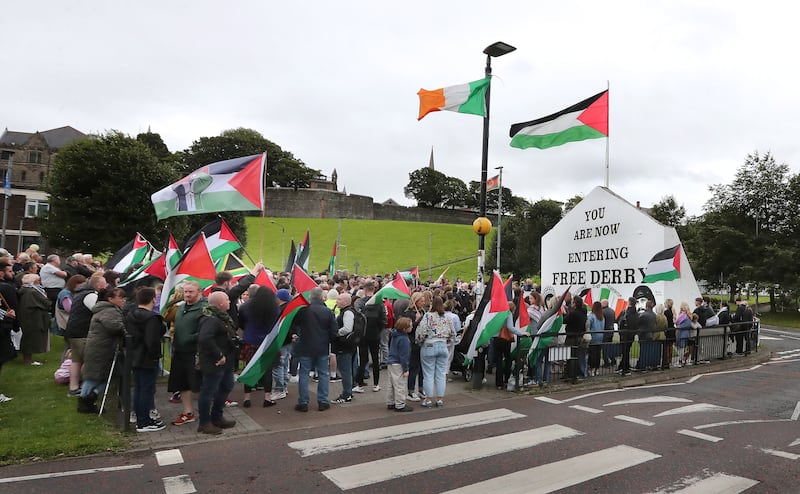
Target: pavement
(372,405)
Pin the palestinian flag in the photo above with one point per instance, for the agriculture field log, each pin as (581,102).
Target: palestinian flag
(585,120)
(195,265)
(440,279)
(586,296)
(291,258)
(301,281)
(549,326)
(264,278)
(332,263)
(304,252)
(394,290)
(463,98)
(521,322)
(664,266)
(231,185)
(490,316)
(410,274)
(493,183)
(220,239)
(134,252)
(154,267)
(508,288)
(262,360)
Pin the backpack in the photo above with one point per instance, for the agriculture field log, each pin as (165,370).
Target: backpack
(374,316)
(354,337)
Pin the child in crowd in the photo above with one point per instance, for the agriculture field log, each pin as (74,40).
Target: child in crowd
(397,363)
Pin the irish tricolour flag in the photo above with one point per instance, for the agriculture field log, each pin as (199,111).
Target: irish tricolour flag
(490,316)
(664,266)
(463,98)
(265,355)
(585,120)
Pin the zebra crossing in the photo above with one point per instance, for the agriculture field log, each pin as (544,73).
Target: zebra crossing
(547,477)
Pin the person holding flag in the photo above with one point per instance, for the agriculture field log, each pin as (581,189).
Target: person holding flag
(257,318)
(316,328)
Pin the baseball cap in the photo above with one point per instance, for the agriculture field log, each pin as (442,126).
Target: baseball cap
(284,295)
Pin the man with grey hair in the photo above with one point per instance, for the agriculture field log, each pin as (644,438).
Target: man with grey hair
(315,327)
(53,279)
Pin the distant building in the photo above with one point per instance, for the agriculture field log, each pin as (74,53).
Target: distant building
(390,202)
(33,155)
(324,184)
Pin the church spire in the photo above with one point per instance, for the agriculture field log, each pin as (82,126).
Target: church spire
(430,163)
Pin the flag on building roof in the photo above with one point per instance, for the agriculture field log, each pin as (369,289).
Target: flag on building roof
(302,282)
(230,185)
(664,266)
(304,251)
(290,259)
(195,265)
(493,183)
(332,263)
(585,120)
(550,324)
(265,355)
(220,239)
(491,314)
(463,98)
(134,252)
(394,290)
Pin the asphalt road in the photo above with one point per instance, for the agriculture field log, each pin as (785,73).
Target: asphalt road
(730,431)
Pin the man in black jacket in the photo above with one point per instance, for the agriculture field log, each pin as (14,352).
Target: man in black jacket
(8,323)
(147,328)
(316,329)
(216,348)
(628,326)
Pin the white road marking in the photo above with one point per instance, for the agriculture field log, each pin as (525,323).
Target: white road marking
(782,361)
(552,401)
(367,437)
(784,352)
(771,338)
(781,454)
(695,378)
(649,399)
(169,457)
(700,435)
(181,484)
(738,422)
(634,420)
(796,413)
(720,483)
(696,408)
(422,461)
(794,443)
(53,475)
(561,474)
(586,409)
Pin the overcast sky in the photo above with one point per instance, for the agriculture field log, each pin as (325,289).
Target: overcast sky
(695,85)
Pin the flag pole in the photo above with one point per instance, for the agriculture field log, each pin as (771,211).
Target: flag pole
(263,206)
(608,111)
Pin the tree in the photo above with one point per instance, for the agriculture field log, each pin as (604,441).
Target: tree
(571,203)
(426,186)
(283,169)
(521,238)
(454,193)
(100,191)
(668,212)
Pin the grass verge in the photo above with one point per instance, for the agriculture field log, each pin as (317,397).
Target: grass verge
(41,422)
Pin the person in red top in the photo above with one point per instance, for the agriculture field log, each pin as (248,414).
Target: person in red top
(384,348)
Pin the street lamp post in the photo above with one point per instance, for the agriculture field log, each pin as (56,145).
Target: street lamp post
(497,49)
(499,211)
(283,235)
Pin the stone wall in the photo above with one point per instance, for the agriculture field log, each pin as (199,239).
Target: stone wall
(315,203)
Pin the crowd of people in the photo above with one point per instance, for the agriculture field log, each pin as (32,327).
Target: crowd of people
(344,334)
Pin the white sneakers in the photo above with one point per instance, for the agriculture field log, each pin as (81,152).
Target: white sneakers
(294,379)
(278,395)
(413,397)
(358,389)
(376,388)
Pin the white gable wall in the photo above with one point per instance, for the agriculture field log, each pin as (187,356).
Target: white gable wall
(605,242)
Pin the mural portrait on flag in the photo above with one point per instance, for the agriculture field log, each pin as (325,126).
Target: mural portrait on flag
(231,185)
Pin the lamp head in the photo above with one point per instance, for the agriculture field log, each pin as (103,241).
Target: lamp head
(498,49)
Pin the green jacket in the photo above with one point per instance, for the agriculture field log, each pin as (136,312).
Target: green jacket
(186,327)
